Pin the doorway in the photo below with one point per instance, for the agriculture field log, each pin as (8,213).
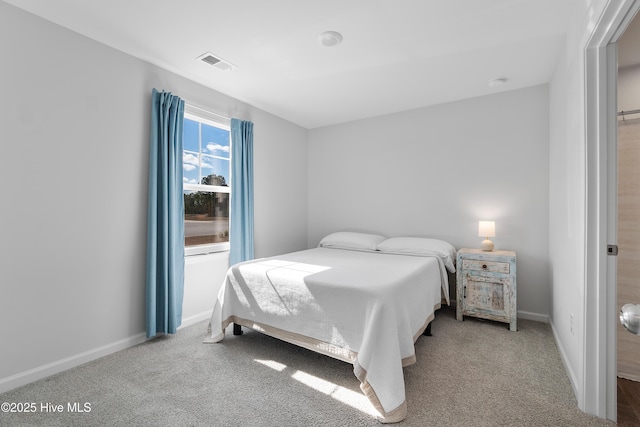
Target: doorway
(628,220)
(600,346)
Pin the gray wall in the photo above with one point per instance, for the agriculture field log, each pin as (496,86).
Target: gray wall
(74,118)
(436,172)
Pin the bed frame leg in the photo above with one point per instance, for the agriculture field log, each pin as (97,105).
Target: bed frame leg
(237,329)
(427,331)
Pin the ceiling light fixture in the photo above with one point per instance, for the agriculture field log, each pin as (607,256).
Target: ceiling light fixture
(330,38)
(497,82)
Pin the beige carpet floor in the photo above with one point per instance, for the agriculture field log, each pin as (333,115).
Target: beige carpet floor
(471,373)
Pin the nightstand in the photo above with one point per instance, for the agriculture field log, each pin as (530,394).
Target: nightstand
(486,285)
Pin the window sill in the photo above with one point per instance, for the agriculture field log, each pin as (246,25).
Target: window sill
(206,249)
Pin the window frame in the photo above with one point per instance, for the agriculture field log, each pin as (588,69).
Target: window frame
(202,116)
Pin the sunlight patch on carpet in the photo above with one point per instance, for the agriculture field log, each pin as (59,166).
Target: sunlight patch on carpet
(272,364)
(348,397)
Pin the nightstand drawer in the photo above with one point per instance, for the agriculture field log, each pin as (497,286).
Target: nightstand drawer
(493,266)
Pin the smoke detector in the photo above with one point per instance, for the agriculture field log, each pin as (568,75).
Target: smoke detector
(330,38)
(216,62)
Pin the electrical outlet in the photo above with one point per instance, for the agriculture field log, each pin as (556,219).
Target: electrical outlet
(571,323)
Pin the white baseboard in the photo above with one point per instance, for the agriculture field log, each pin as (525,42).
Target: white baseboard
(544,318)
(196,318)
(26,377)
(563,356)
(52,368)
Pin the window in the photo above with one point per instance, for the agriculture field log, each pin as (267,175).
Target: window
(206,167)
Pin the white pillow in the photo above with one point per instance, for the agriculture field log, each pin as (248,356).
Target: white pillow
(421,246)
(351,240)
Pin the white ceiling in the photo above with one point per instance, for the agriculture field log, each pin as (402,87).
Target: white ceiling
(396,55)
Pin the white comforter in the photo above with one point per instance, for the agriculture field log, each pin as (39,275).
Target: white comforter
(366,308)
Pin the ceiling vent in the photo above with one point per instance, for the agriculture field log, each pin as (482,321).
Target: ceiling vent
(216,61)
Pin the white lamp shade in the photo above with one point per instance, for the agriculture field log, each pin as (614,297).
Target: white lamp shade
(487,229)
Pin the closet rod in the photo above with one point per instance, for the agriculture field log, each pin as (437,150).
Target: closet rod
(624,113)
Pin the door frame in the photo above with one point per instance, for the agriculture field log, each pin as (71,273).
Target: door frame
(599,395)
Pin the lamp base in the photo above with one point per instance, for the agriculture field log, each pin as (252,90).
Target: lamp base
(486,245)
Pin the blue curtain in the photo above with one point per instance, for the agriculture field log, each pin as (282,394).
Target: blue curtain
(165,229)
(241,232)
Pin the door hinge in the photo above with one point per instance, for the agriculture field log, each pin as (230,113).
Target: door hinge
(612,250)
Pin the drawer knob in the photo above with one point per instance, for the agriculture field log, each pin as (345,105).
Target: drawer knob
(484,266)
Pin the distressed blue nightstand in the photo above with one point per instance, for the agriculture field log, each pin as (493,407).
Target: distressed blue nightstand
(486,285)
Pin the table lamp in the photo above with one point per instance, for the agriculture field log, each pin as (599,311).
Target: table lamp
(487,229)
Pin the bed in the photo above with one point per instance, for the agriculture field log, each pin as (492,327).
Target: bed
(357,297)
